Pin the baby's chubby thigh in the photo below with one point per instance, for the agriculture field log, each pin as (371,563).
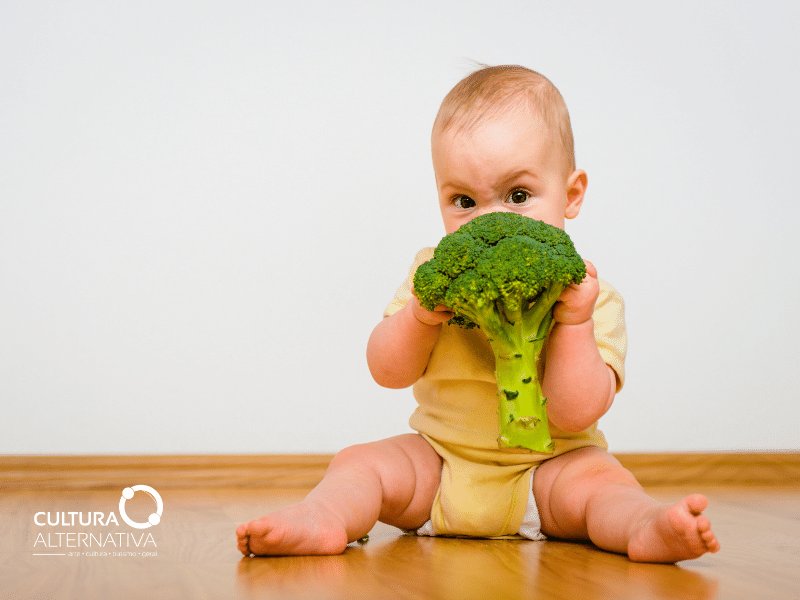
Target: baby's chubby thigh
(406,471)
(563,485)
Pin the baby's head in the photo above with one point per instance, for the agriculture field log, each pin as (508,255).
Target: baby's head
(502,140)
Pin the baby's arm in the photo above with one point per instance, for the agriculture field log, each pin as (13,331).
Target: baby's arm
(400,345)
(579,385)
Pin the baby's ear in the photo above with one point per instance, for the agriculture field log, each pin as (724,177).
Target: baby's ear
(576,188)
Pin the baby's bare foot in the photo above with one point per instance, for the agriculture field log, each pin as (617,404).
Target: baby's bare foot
(298,529)
(672,533)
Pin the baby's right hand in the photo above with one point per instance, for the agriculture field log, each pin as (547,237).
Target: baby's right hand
(434,317)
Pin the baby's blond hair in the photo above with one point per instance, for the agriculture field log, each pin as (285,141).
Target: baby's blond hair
(490,90)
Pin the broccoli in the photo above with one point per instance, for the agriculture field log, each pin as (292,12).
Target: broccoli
(503,272)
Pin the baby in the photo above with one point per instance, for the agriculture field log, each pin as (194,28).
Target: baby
(502,141)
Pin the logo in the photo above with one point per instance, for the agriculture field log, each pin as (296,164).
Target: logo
(154,518)
(97,533)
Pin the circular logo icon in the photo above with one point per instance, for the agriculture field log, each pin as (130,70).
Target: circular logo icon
(154,518)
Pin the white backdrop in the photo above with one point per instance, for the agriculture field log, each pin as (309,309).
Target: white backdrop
(205,207)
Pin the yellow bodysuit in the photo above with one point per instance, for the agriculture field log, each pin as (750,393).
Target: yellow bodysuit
(484,488)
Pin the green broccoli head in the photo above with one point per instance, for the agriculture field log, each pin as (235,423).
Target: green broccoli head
(501,261)
(503,272)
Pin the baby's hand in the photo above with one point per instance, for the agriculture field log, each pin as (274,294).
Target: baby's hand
(437,316)
(576,303)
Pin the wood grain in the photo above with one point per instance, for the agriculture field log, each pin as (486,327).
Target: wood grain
(724,468)
(174,471)
(197,559)
(305,470)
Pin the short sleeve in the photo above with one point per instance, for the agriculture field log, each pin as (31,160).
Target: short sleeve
(403,294)
(609,330)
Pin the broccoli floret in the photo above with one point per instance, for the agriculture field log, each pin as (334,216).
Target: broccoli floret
(503,272)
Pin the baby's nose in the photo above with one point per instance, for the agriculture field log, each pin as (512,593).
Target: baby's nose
(493,208)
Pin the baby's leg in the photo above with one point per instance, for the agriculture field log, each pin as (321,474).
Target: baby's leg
(392,480)
(588,494)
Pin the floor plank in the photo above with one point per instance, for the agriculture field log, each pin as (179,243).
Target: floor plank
(195,555)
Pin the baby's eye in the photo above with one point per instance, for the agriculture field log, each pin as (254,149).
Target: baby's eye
(463,202)
(518,197)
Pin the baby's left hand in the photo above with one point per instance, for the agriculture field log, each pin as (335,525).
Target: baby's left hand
(576,303)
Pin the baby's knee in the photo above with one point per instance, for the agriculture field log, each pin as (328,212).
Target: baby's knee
(357,454)
(592,467)
(609,472)
(405,456)
(367,455)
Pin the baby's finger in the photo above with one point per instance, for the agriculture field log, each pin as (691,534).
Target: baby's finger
(443,313)
(591,271)
(570,292)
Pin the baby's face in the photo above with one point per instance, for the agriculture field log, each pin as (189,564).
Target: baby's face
(506,163)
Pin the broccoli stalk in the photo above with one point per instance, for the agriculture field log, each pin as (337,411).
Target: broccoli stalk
(503,272)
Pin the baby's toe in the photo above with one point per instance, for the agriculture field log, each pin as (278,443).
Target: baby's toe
(244,546)
(709,539)
(696,503)
(703,524)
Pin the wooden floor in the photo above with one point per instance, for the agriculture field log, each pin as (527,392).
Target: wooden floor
(193,555)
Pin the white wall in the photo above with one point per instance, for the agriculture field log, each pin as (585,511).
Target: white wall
(205,206)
